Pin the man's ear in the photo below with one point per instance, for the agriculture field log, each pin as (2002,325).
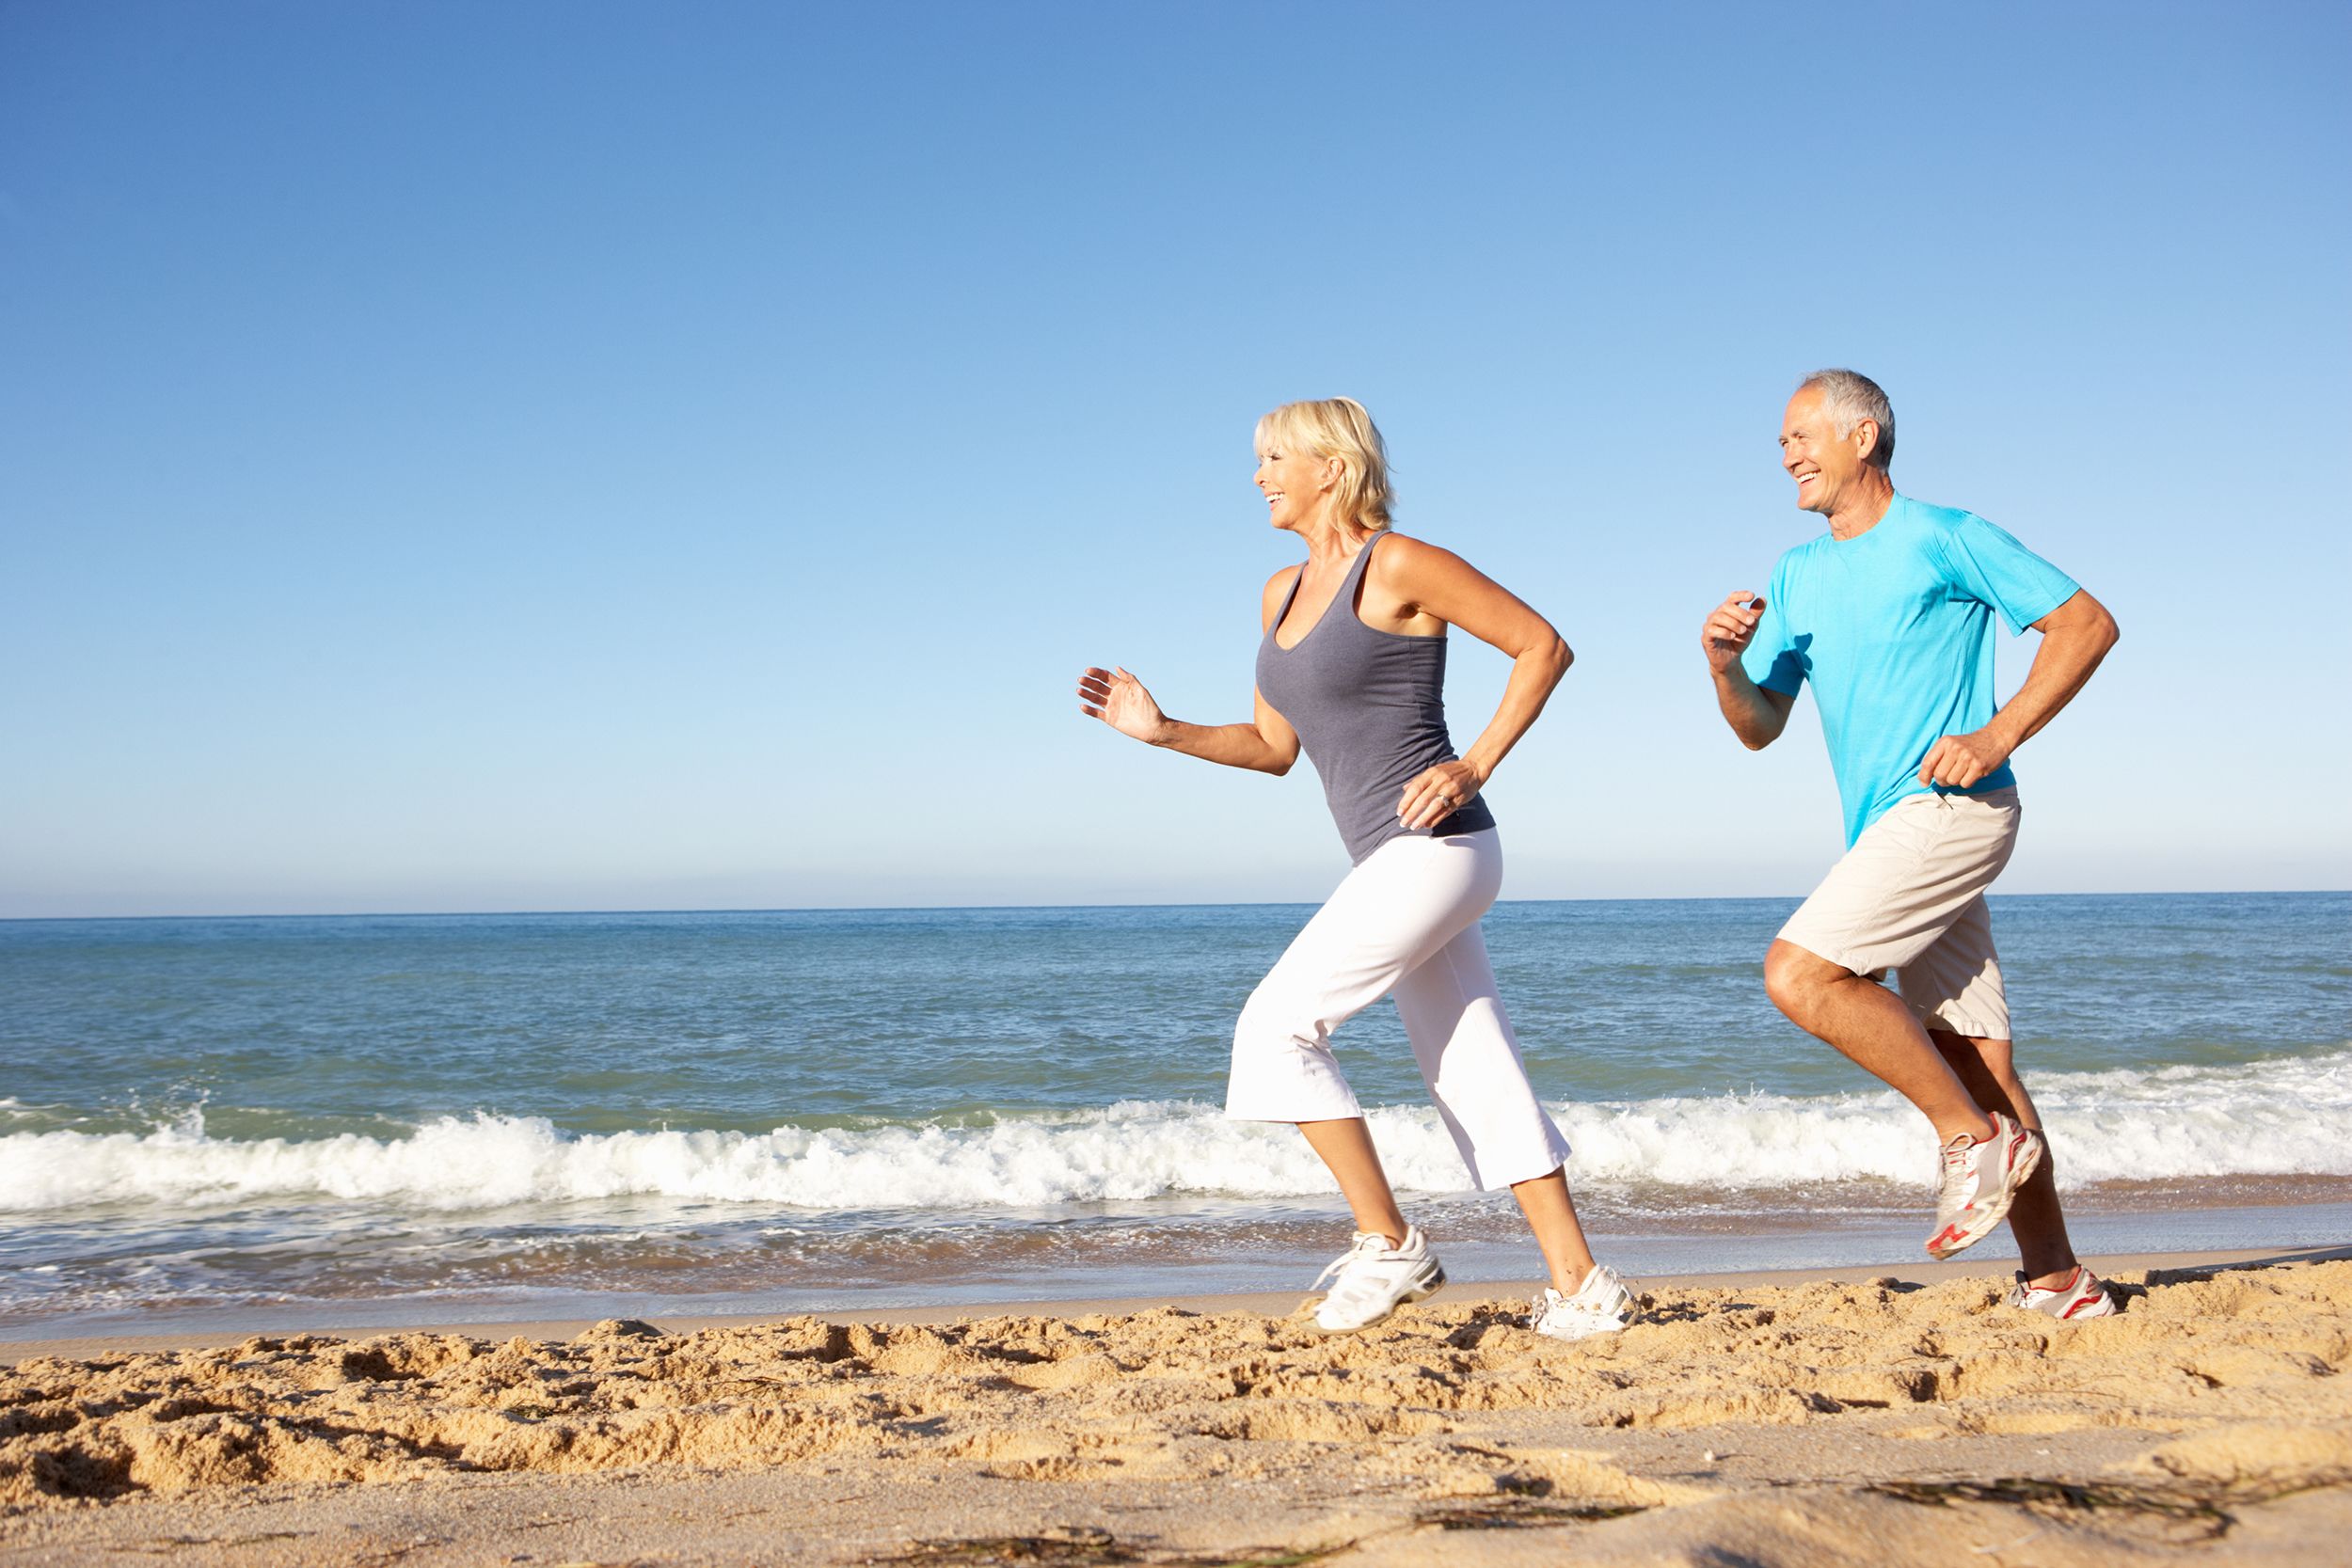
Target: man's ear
(1866,438)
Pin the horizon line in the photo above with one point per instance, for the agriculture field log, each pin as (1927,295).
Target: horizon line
(1173,904)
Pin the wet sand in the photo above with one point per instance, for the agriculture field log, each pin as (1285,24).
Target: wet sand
(1885,1417)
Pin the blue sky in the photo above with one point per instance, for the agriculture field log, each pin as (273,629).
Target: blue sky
(588,455)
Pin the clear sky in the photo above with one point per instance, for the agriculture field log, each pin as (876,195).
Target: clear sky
(572,455)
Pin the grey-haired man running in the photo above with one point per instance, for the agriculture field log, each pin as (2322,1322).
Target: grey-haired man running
(1889,615)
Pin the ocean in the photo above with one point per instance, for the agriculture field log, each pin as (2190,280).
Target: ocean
(292,1122)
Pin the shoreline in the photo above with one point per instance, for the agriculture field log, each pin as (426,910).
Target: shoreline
(1271,1304)
(1485,1248)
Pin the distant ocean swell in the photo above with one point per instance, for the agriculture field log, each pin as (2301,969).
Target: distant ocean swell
(2288,1116)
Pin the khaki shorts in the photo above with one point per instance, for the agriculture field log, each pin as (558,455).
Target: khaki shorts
(1909,896)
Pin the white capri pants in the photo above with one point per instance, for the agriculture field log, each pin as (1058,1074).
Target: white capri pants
(1404,922)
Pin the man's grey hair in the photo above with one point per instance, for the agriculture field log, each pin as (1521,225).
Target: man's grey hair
(1849,397)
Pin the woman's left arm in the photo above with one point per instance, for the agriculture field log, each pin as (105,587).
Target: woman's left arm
(1427,581)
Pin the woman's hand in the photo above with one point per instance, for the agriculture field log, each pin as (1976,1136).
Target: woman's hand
(1438,794)
(1119,700)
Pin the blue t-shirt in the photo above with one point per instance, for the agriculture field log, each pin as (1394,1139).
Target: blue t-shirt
(1893,626)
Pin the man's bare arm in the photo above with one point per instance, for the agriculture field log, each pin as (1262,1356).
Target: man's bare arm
(2075,637)
(1756,715)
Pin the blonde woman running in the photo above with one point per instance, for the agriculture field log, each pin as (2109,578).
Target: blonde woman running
(1352,667)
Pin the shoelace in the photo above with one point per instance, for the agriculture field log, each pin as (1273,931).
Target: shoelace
(1364,1246)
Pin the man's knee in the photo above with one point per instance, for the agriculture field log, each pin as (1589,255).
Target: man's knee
(1995,1058)
(1959,1050)
(1987,1068)
(1794,978)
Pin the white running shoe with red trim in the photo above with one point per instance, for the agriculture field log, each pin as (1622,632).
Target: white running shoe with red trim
(1979,1182)
(2079,1298)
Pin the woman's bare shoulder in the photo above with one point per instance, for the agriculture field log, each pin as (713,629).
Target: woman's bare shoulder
(1403,558)
(1270,599)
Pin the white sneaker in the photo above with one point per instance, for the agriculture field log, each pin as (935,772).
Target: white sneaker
(1979,1179)
(1601,1305)
(1373,1279)
(2081,1297)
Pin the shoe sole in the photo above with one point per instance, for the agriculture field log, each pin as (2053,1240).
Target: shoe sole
(1991,1213)
(2084,1311)
(1422,1288)
(1597,1331)
(2097,1302)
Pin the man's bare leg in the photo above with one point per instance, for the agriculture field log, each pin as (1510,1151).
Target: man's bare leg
(1873,1028)
(1551,1214)
(1346,1146)
(1989,1071)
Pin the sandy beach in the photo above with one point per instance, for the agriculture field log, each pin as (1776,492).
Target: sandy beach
(1897,1417)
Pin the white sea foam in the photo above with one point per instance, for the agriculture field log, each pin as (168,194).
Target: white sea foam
(2282,1118)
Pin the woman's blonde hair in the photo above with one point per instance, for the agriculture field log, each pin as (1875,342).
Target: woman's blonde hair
(1337,428)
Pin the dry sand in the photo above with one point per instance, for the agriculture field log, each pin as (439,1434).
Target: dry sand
(1818,1422)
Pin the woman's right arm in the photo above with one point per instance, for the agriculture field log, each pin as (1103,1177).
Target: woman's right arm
(1267,744)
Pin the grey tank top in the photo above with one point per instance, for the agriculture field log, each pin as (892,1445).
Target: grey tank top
(1369,707)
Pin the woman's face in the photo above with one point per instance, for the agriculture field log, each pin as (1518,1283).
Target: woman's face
(1294,484)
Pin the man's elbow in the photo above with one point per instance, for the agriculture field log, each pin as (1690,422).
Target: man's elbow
(2097,632)
(2093,621)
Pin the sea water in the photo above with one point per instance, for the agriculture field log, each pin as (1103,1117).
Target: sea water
(383,1119)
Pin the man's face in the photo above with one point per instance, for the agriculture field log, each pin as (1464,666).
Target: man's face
(1828,469)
